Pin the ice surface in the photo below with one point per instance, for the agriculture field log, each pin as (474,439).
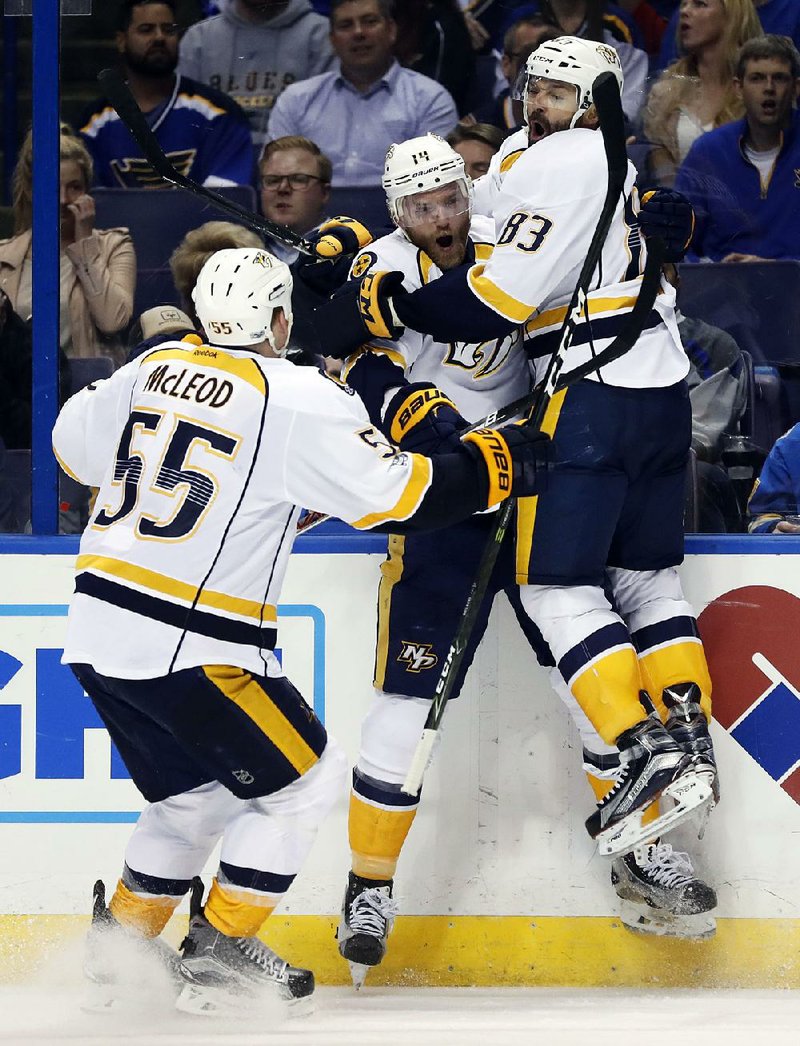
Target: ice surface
(41,1014)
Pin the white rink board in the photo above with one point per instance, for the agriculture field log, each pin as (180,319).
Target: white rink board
(500,831)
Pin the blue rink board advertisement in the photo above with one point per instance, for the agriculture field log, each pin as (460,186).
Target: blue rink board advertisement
(500,831)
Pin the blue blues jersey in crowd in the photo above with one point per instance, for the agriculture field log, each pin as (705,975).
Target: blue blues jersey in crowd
(203,132)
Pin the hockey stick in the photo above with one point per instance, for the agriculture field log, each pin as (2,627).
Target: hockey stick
(605,94)
(131,115)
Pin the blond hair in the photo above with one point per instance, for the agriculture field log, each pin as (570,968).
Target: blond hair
(71,148)
(297,141)
(196,248)
(679,84)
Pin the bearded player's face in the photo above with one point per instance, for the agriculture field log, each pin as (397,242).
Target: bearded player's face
(437,222)
(549,106)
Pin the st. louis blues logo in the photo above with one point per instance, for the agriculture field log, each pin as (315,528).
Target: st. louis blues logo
(417,656)
(750,635)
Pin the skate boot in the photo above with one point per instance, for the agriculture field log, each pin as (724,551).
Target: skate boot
(124,967)
(687,723)
(220,973)
(661,894)
(651,763)
(368,912)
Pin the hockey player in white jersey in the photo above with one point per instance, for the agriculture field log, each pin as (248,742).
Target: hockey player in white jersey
(202,455)
(621,438)
(412,389)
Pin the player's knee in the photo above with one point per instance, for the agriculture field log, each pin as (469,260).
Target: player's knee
(389,736)
(311,796)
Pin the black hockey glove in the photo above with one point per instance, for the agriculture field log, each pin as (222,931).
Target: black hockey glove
(359,311)
(668,215)
(335,243)
(516,458)
(421,419)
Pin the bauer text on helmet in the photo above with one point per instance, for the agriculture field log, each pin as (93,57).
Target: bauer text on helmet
(572,60)
(236,296)
(417,166)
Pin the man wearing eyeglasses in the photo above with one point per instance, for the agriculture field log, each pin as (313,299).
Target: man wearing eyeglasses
(295,180)
(203,132)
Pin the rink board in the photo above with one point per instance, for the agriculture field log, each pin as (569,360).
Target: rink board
(498,882)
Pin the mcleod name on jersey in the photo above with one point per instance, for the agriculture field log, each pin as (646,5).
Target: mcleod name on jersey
(186,549)
(477,377)
(545,211)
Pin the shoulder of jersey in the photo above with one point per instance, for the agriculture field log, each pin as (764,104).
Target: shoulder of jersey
(306,390)
(564,159)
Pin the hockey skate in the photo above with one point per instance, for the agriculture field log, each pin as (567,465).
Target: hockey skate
(232,976)
(652,764)
(687,723)
(123,967)
(661,894)
(368,912)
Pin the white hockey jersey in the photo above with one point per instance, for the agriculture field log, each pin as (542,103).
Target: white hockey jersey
(486,189)
(545,210)
(477,377)
(201,457)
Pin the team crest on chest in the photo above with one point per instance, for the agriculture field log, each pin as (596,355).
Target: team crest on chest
(484,358)
(417,656)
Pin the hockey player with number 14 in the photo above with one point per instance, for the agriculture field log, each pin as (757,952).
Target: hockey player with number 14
(173,624)
(620,436)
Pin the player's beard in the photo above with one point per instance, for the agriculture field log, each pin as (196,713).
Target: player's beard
(157,64)
(446,249)
(541,126)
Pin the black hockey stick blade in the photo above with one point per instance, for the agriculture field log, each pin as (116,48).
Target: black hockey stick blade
(131,115)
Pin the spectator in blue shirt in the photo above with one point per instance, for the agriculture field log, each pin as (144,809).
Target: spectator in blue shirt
(354,113)
(774,506)
(743,178)
(203,132)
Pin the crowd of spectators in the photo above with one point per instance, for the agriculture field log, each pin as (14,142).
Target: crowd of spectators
(299,99)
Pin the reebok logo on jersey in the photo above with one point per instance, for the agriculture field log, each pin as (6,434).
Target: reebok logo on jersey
(244,776)
(417,656)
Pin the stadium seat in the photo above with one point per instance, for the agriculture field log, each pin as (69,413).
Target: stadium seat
(368,204)
(84,370)
(159,219)
(758,303)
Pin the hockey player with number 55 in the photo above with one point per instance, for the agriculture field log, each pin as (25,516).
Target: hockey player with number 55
(620,436)
(202,455)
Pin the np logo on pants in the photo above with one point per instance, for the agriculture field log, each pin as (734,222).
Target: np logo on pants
(417,656)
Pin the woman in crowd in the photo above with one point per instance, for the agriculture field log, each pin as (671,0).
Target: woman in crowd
(98,266)
(696,93)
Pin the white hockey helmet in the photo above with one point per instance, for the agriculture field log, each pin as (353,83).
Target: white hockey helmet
(236,294)
(419,165)
(574,61)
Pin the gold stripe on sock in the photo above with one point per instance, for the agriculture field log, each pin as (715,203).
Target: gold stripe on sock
(229,913)
(376,837)
(148,915)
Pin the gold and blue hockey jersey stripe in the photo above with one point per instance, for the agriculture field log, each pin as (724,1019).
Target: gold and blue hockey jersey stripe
(177,603)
